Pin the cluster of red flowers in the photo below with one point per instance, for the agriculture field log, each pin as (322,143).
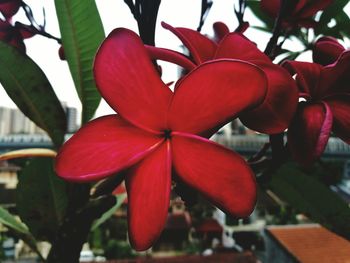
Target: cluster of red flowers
(161,135)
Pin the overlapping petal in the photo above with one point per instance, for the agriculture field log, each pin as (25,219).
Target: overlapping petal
(170,56)
(103,147)
(219,174)
(215,93)
(340,107)
(308,75)
(237,46)
(128,81)
(335,77)
(278,108)
(148,186)
(309,132)
(200,47)
(326,50)
(220,30)
(276,112)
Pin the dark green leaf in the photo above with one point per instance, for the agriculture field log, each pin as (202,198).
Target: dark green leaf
(255,7)
(307,194)
(332,11)
(41,198)
(120,198)
(31,91)
(82,33)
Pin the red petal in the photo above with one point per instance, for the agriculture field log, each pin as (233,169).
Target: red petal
(276,112)
(270,7)
(237,46)
(327,50)
(103,147)
(335,77)
(129,82)
(10,7)
(309,132)
(308,75)
(219,174)
(340,107)
(220,30)
(214,93)
(148,186)
(200,47)
(170,56)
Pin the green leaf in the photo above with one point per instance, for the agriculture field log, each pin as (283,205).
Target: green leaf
(307,194)
(10,221)
(82,33)
(120,198)
(30,90)
(254,6)
(41,198)
(19,229)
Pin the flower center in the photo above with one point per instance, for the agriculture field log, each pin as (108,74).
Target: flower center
(167,134)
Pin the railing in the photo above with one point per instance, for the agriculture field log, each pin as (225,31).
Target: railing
(244,144)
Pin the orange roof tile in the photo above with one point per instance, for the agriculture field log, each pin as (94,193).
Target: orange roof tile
(312,243)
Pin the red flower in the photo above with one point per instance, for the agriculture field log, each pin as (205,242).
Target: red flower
(11,35)
(9,7)
(298,13)
(327,50)
(275,113)
(327,107)
(157,131)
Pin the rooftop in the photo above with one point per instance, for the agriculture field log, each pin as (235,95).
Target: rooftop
(312,243)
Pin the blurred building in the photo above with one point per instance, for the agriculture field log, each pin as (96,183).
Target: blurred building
(13,121)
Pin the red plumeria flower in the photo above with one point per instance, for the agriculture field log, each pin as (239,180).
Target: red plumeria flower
(326,107)
(277,110)
(9,7)
(327,50)
(299,13)
(158,131)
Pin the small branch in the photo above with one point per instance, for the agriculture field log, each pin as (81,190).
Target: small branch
(206,5)
(277,30)
(35,31)
(240,14)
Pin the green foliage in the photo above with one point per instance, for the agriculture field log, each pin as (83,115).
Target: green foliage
(82,33)
(336,13)
(308,195)
(41,198)
(30,90)
(254,6)
(118,250)
(119,200)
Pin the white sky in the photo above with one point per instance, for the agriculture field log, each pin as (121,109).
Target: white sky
(114,13)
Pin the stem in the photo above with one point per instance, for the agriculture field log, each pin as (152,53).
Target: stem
(277,30)
(276,140)
(206,5)
(75,229)
(145,13)
(240,14)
